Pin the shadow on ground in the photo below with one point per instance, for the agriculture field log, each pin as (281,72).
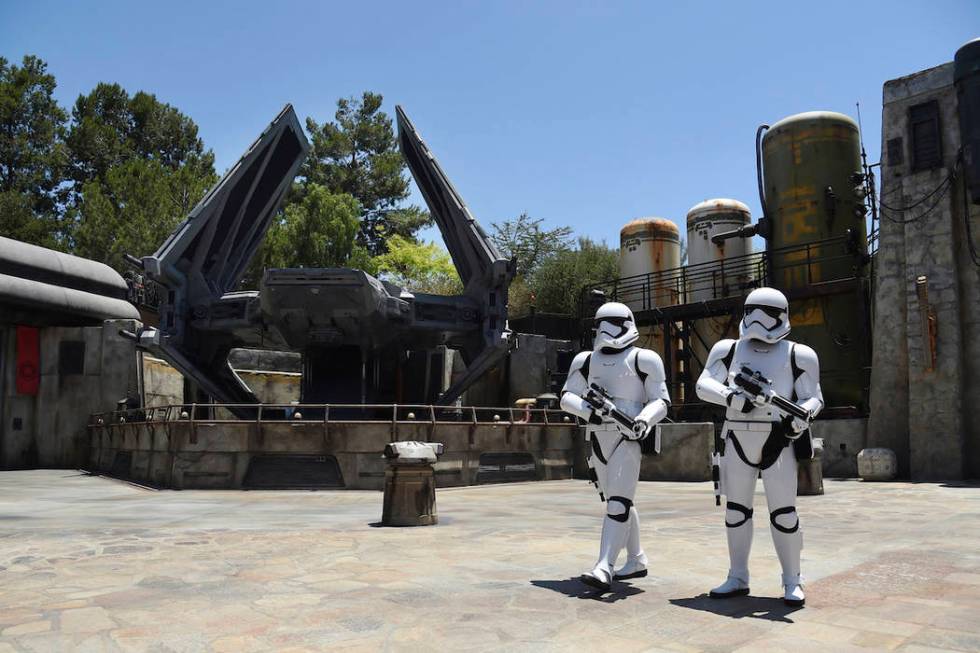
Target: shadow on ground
(576,589)
(737,607)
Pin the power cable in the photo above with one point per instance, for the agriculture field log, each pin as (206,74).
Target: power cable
(941,189)
(948,180)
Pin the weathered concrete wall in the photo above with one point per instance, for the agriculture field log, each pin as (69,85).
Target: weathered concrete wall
(525,373)
(842,440)
(53,425)
(528,372)
(685,453)
(273,387)
(199,454)
(918,409)
(66,401)
(162,384)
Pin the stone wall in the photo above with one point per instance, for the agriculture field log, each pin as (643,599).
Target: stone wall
(919,409)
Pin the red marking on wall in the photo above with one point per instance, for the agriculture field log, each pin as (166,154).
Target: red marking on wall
(28,360)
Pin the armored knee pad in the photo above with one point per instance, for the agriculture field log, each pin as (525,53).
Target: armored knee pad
(625,503)
(785,513)
(731,506)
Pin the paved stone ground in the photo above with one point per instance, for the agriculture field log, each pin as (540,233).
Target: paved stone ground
(93,564)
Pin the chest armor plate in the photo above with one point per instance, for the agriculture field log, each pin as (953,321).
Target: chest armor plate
(773,362)
(616,373)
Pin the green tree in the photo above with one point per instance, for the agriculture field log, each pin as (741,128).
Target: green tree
(109,128)
(520,297)
(32,154)
(320,231)
(560,279)
(419,267)
(524,239)
(357,153)
(137,167)
(133,209)
(406,222)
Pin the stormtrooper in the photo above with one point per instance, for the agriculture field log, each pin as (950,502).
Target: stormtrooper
(621,393)
(771,390)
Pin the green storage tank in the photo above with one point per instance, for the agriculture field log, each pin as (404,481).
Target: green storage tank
(813,182)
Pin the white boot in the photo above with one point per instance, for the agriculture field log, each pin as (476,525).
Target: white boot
(635,567)
(599,578)
(793,591)
(788,547)
(614,534)
(636,561)
(733,586)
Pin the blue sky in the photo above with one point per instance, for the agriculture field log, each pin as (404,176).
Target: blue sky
(581,113)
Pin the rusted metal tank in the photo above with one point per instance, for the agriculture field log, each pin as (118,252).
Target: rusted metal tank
(814,198)
(813,185)
(707,276)
(649,258)
(704,220)
(649,246)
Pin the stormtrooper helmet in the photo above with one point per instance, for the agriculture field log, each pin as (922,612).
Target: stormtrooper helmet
(766,316)
(614,327)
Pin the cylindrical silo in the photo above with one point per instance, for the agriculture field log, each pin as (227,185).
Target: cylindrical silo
(707,277)
(649,259)
(704,221)
(813,183)
(812,177)
(648,247)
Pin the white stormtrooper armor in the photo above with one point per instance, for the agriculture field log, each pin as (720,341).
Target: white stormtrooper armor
(634,380)
(751,423)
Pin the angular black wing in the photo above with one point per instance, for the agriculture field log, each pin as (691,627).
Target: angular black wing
(485,273)
(473,253)
(202,262)
(209,251)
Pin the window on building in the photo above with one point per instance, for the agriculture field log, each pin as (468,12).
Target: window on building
(926,137)
(71,357)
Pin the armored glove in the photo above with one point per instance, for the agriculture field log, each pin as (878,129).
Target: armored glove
(641,429)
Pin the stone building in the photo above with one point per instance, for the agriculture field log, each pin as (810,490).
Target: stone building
(925,380)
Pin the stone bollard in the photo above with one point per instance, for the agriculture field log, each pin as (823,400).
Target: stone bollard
(877,464)
(809,473)
(410,484)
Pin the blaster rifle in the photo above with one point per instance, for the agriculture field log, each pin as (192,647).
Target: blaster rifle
(602,403)
(755,384)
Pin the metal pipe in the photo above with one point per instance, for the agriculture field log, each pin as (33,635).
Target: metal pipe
(758,166)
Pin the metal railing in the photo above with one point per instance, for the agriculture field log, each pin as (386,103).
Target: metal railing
(332,413)
(800,265)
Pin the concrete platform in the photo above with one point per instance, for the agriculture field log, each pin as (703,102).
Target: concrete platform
(92,564)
